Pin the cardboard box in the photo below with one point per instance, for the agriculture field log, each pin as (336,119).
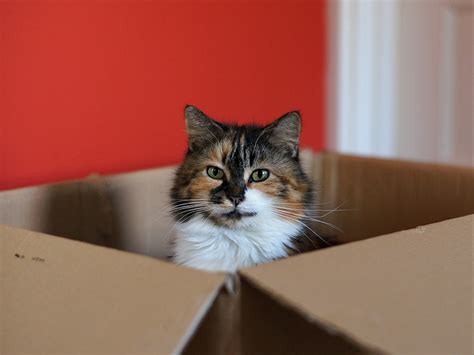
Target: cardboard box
(406,288)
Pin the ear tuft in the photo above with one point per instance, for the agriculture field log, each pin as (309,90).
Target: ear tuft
(201,129)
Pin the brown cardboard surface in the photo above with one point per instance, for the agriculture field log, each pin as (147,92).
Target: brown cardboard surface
(220,331)
(125,211)
(76,210)
(384,196)
(270,327)
(407,292)
(60,296)
(140,219)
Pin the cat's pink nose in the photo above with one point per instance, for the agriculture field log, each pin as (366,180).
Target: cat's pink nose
(236,200)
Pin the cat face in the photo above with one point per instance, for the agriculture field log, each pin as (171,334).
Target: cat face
(232,174)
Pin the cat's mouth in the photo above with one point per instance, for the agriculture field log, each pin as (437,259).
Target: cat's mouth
(236,214)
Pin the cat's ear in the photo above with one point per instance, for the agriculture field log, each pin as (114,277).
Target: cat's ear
(201,129)
(285,132)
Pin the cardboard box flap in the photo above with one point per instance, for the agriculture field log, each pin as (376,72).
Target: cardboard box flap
(75,209)
(407,292)
(382,196)
(139,208)
(58,295)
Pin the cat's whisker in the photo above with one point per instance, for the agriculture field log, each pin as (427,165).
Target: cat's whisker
(211,213)
(188,204)
(315,210)
(329,211)
(336,209)
(188,209)
(328,224)
(298,203)
(314,220)
(189,214)
(177,204)
(190,199)
(292,218)
(175,224)
(310,240)
(184,208)
(196,209)
(181,210)
(183,217)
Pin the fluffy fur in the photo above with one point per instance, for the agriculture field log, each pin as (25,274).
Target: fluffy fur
(237,220)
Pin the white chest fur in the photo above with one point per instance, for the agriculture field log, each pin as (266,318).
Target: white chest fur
(259,239)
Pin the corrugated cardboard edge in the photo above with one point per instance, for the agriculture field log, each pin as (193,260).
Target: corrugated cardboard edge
(220,330)
(197,321)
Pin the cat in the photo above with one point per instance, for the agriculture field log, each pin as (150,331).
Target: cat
(240,196)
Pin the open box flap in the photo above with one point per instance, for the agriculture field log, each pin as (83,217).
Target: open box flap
(58,295)
(403,292)
(74,209)
(381,196)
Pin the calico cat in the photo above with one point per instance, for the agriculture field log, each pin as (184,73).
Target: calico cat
(240,196)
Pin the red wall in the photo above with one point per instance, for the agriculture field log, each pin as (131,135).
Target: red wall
(91,86)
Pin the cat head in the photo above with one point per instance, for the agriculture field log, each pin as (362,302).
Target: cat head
(233,173)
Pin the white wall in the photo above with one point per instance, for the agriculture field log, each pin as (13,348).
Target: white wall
(401,78)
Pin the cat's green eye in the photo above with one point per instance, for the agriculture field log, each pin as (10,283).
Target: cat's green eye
(260,175)
(215,172)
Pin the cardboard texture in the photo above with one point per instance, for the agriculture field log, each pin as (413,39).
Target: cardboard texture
(273,327)
(404,292)
(220,331)
(62,297)
(76,210)
(385,196)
